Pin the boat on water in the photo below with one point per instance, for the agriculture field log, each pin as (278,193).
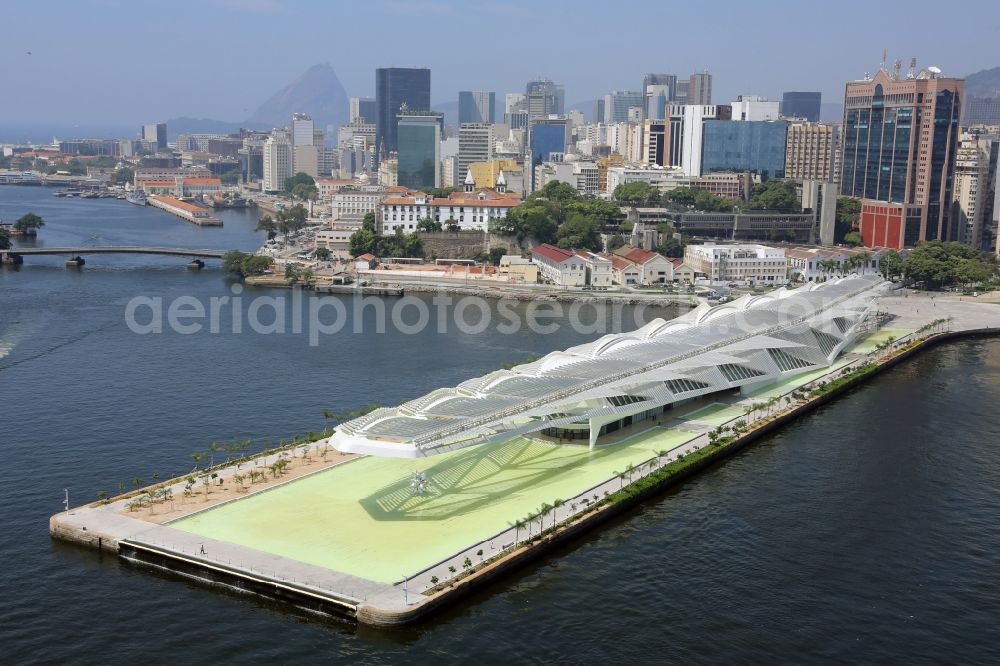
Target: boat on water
(137,197)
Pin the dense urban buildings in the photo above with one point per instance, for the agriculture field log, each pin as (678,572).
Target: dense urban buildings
(543,98)
(899,141)
(804,105)
(394,88)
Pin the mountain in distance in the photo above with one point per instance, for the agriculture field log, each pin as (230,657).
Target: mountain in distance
(450,111)
(984,83)
(318,93)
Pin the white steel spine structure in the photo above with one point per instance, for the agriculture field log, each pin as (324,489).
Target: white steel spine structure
(590,389)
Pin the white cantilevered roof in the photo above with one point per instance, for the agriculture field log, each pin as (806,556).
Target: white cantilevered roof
(751,339)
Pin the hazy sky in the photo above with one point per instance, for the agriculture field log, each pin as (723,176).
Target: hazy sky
(118,61)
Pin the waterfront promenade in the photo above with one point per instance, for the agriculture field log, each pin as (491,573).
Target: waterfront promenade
(681,435)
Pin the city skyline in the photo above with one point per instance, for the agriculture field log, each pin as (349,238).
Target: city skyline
(35,68)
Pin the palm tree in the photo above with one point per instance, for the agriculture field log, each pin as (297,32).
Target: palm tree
(197,456)
(327,415)
(556,503)
(621,478)
(543,511)
(136,481)
(517,525)
(213,447)
(5,243)
(864,258)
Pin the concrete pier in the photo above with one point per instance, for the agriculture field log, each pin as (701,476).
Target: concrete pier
(150,541)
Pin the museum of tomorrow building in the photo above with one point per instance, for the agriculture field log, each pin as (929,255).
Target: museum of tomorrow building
(591,390)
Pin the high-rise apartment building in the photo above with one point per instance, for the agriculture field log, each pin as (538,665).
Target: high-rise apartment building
(476,106)
(899,142)
(475,144)
(419,149)
(805,105)
(305,154)
(810,151)
(155,133)
(974,191)
(362,110)
(394,87)
(277,161)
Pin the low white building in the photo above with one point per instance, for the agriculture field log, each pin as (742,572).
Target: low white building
(558,266)
(598,269)
(738,262)
(350,205)
(653,267)
(469,210)
(623,271)
(814,264)
(336,239)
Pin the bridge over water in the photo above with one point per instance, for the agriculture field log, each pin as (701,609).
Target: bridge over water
(15,255)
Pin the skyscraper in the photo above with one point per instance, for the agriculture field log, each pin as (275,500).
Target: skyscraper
(155,133)
(665,85)
(305,154)
(419,149)
(395,86)
(699,89)
(544,98)
(362,109)
(476,106)
(618,103)
(277,160)
(975,180)
(475,144)
(899,142)
(805,105)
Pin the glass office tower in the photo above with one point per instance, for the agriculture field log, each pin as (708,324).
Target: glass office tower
(745,145)
(419,149)
(395,86)
(802,105)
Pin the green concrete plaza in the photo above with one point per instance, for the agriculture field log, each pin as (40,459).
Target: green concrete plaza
(362,517)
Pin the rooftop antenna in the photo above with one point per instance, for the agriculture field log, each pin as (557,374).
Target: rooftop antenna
(885,56)
(912,72)
(896,66)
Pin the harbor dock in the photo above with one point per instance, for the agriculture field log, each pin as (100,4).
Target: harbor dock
(188,211)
